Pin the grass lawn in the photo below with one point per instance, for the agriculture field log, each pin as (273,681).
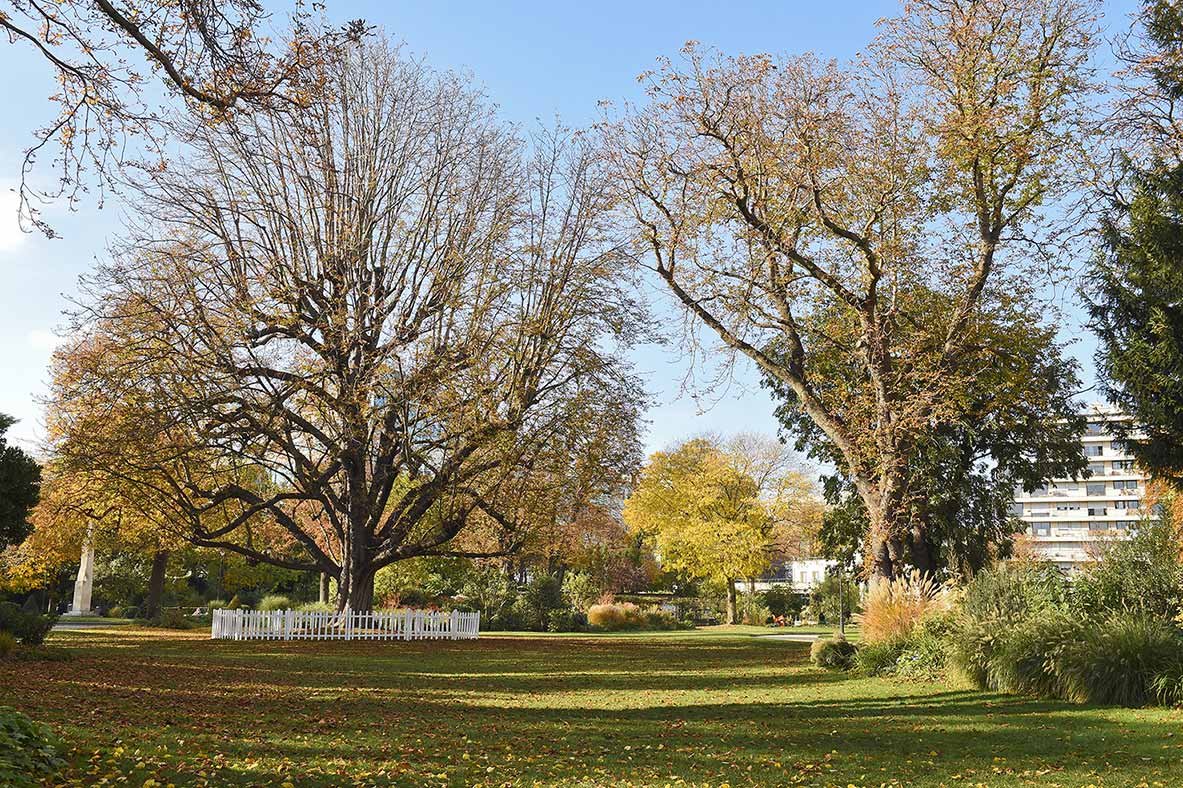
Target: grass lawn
(703,708)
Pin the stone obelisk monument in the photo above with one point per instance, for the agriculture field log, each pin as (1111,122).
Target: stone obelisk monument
(85,583)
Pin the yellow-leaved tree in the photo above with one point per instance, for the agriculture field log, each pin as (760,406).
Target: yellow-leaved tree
(722,511)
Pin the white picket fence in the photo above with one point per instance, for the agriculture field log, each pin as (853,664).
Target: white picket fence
(347,625)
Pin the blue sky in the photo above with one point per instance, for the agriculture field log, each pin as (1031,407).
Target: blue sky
(537,61)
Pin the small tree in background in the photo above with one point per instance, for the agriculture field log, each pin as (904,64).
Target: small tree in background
(720,512)
(20,488)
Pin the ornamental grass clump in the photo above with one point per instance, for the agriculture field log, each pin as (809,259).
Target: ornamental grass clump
(1123,661)
(615,616)
(273,602)
(1029,659)
(893,608)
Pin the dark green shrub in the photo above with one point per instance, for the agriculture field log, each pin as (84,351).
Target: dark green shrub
(28,751)
(28,628)
(880,658)
(973,645)
(832,653)
(416,598)
(784,601)
(7,644)
(1167,686)
(131,611)
(545,593)
(172,618)
(1118,661)
(566,620)
(234,604)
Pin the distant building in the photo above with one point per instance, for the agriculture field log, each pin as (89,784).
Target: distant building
(1068,520)
(802,575)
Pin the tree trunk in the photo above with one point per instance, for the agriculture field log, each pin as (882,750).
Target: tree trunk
(730,601)
(156,584)
(324,588)
(355,588)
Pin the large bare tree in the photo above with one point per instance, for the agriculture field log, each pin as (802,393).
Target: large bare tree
(803,211)
(370,325)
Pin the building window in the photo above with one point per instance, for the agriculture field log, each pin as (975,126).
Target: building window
(1096,469)
(1123,465)
(1126,505)
(1041,529)
(1095,488)
(1097,511)
(1095,428)
(1125,484)
(1093,450)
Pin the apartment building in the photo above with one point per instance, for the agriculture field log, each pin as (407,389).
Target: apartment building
(1068,520)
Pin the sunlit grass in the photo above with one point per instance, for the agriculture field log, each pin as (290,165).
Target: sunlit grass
(707,707)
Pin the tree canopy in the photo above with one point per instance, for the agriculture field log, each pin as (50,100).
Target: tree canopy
(353,335)
(722,512)
(797,209)
(1133,285)
(1014,425)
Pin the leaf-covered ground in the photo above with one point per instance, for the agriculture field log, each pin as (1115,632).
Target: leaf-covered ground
(148,708)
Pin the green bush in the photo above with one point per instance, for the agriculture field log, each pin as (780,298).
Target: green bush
(28,751)
(833,653)
(273,602)
(416,598)
(1119,660)
(544,594)
(28,628)
(7,644)
(1142,575)
(878,658)
(1167,685)
(566,620)
(172,618)
(215,604)
(131,611)
(234,604)
(783,601)
(928,647)
(581,591)
(1014,590)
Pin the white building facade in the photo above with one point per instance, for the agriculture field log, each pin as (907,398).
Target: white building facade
(802,575)
(1069,520)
